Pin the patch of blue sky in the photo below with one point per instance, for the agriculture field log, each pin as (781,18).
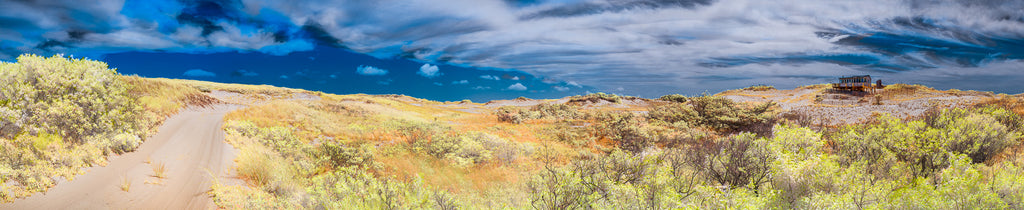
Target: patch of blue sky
(334,72)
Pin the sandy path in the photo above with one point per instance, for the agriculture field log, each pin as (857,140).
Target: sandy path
(190,144)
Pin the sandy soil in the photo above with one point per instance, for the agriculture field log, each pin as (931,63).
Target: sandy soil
(190,144)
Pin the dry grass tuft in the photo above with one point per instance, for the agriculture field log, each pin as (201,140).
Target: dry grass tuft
(160,170)
(125,183)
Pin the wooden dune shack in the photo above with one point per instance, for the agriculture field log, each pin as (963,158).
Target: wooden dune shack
(857,84)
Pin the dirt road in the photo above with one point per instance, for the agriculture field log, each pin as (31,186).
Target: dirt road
(190,145)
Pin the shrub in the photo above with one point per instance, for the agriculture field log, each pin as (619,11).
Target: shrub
(979,136)
(673,113)
(122,143)
(924,146)
(594,98)
(516,115)
(335,155)
(721,113)
(349,188)
(673,98)
(556,111)
(572,135)
(560,189)
(760,88)
(72,98)
(630,131)
(741,160)
(58,115)
(471,148)
(510,114)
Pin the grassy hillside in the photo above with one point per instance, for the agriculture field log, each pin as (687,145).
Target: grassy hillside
(752,148)
(606,151)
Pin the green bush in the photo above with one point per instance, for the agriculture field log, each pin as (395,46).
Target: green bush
(722,113)
(71,98)
(335,155)
(594,98)
(923,146)
(58,115)
(673,98)
(569,134)
(760,88)
(673,113)
(977,135)
(629,130)
(470,149)
(516,115)
(741,160)
(350,188)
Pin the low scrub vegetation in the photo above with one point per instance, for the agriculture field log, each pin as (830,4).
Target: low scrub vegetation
(674,98)
(703,152)
(760,88)
(596,98)
(514,114)
(58,115)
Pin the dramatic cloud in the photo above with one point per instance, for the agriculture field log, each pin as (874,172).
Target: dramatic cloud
(198,73)
(649,47)
(429,71)
(371,71)
(517,86)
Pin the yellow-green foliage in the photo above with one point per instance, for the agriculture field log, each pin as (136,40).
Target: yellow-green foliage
(595,98)
(58,115)
(514,114)
(721,113)
(75,99)
(920,147)
(673,98)
(691,155)
(469,149)
(760,88)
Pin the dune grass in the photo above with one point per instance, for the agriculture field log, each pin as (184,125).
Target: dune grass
(126,184)
(159,170)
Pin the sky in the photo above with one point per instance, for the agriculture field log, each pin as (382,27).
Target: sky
(498,49)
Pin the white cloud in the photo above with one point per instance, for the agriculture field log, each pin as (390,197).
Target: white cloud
(460,82)
(517,86)
(574,84)
(515,78)
(371,71)
(429,71)
(560,88)
(198,73)
(438,84)
(481,88)
(490,77)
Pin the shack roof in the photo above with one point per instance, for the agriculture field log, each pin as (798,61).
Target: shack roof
(855,77)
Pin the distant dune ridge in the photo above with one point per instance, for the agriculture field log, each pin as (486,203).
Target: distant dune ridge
(907,146)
